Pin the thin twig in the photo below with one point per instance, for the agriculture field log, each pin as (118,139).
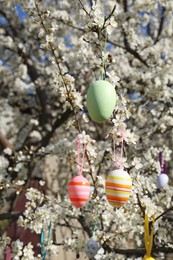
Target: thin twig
(10,215)
(59,68)
(160,26)
(83,7)
(126,43)
(5,142)
(140,205)
(162,214)
(111,13)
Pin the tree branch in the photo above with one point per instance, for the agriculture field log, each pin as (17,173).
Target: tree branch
(126,43)
(162,214)
(81,220)
(137,252)
(10,215)
(142,251)
(59,121)
(5,142)
(126,47)
(140,205)
(32,71)
(160,26)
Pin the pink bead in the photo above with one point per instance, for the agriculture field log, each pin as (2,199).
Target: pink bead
(79,191)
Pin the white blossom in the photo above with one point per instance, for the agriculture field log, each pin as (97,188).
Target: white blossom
(49,60)
(35,135)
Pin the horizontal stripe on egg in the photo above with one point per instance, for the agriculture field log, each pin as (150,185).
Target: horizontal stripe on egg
(84,191)
(118,198)
(77,195)
(114,182)
(120,193)
(113,203)
(78,188)
(117,202)
(113,177)
(118,189)
(118,185)
(109,197)
(79,183)
(79,199)
(119,181)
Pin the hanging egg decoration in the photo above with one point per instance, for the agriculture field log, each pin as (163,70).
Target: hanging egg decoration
(148,258)
(92,248)
(79,191)
(101,100)
(162,180)
(118,187)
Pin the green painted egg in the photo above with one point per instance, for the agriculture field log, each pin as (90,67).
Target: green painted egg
(101,100)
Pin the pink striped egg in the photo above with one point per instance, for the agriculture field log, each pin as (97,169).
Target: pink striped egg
(79,191)
(118,187)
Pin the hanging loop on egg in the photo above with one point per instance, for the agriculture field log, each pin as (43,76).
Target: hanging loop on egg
(80,164)
(79,187)
(42,240)
(148,237)
(119,164)
(162,178)
(162,163)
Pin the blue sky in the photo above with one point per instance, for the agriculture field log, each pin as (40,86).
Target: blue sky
(22,14)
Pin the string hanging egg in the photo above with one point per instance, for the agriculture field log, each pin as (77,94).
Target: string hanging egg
(148,237)
(79,191)
(118,187)
(162,179)
(79,187)
(101,100)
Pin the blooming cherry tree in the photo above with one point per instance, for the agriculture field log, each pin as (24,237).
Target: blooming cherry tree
(51,51)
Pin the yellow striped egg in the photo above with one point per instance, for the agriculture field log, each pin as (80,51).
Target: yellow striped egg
(118,187)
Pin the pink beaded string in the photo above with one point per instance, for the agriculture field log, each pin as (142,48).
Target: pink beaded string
(80,165)
(119,165)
